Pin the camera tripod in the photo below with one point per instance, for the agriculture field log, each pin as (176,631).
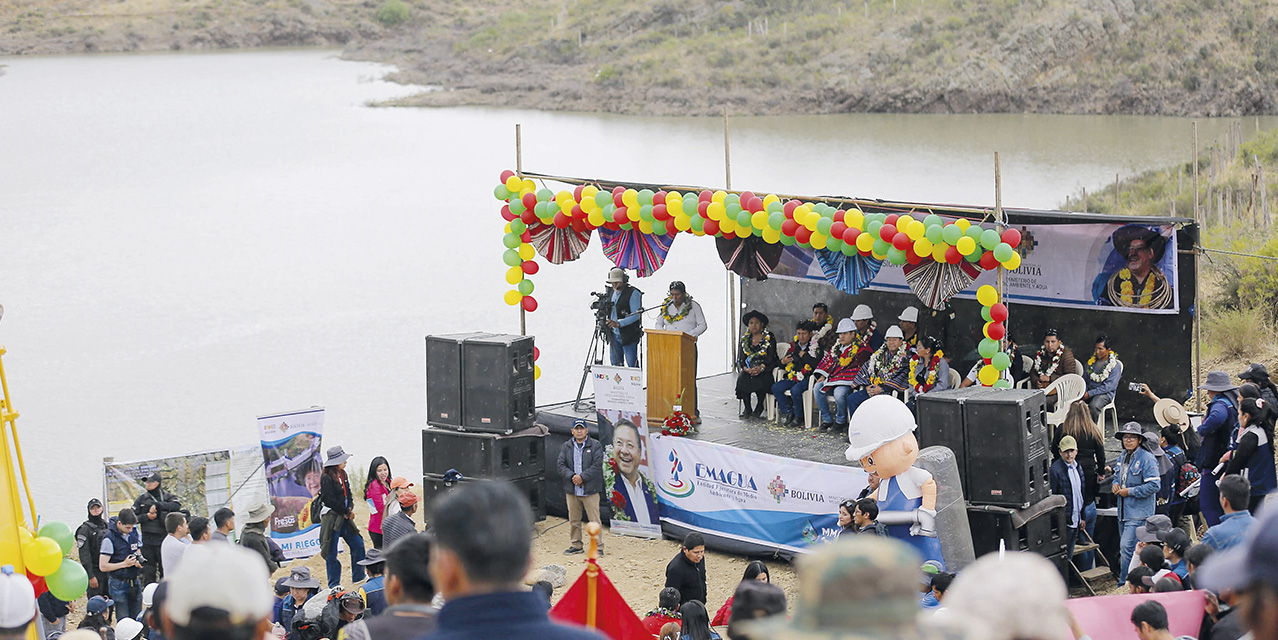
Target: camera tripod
(599,342)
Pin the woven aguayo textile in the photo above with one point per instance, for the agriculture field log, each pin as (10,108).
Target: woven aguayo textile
(635,250)
(558,245)
(847,273)
(935,282)
(749,257)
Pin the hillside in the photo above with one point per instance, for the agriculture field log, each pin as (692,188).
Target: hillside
(1179,57)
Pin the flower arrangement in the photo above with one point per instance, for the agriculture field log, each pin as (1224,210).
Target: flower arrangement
(1055,362)
(678,423)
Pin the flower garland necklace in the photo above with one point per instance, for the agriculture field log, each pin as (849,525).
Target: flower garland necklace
(1056,360)
(683,310)
(752,352)
(932,367)
(1127,291)
(1109,367)
(796,373)
(859,342)
(618,501)
(885,368)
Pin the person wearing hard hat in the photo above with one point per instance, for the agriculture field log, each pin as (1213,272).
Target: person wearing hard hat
(909,323)
(881,438)
(858,340)
(885,372)
(17,603)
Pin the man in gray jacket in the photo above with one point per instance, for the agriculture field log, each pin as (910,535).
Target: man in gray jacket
(581,466)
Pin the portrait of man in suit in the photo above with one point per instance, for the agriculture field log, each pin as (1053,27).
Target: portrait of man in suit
(632,493)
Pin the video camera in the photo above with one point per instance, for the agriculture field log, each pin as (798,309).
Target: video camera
(602,305)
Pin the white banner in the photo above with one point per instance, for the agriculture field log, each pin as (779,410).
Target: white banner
(622,402)
(294,463)
(754,497)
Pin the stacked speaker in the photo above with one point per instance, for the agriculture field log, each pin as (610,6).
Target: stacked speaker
(480,406)
(1001,442)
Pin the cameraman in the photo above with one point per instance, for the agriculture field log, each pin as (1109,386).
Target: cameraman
(624,319)
(121,560)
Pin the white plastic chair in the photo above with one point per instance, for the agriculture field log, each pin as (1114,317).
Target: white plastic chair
(1069,389)
(1027,365)
(1079,369)
(956,379)
(770,401)
(1108,427)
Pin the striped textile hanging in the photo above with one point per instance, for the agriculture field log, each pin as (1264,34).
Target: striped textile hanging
(847,273)
(635,250)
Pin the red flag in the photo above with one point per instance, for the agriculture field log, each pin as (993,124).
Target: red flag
(613,617)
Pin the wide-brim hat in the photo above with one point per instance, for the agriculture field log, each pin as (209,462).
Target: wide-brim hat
(300,577)
(1124,236)
(1131,428)
(846,325)
(1168,412)
(763,318)
(259,513)
(374,556)
(1156,528)
(1218,381)
(1255,372)
(336,455)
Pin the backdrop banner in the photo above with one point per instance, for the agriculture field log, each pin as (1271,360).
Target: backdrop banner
(1121,267)
(750,496)
(294,462)
(204,482)
(622,404)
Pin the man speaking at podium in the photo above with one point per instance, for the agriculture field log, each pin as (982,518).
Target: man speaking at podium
(679,312)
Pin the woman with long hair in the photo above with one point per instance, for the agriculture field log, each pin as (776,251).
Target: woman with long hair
(1170,502)
(338,518)
(1091,457)
(756,570)
(375,490)
(1252,449)
(696,622)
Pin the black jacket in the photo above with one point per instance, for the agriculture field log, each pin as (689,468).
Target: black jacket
(1091,457)
(153,531)
(592,460)
(336,495)
(1060,485)
(688,578)
(630,333)
(89,538)
(51,607)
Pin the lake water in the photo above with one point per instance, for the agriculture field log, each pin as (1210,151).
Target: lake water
(188,241)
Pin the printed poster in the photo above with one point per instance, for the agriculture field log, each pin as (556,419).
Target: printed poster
(294,463)
(622,402)
(750,496)
(204,482)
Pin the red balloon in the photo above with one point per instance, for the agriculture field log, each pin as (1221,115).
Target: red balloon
(913,258)
(506,213)
(703,209)
(576,193)
(988,262)
(711,227)
(659,198)
(536,353)
(803,235)
(987,360)
(530,303)
(618,190)
(581,225)
(1012,237)
(849,236)
(789,207)
(755,204)
(952,255)
(506,175)
(837,229)
(530,267)
(891,219)
(998,312)
(619,216)
(577,213)
(611,226)
(902,241)
(997,331)
(839,214)
(746,196)
(887,232)
(529,200)
(528,216)
(706,195)
(659,212)
(616,200)
(789,227)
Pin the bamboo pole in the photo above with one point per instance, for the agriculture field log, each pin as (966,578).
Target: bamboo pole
(519,171)
(592,576)
(729,281)
(1000,222)
(1198,258)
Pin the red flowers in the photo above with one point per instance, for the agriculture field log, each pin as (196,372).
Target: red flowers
(618,500)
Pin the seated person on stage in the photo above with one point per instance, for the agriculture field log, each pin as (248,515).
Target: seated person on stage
(824,334)
(886,371)
(1052,361)
(803,358)
(909,323)
(833,377)
(928,369)
(1103,370)
(756,358)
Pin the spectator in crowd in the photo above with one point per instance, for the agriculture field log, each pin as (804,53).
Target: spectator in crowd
(281,594)
(798,364)
(1103,373)
(17,604)
(1221,421)
(200,532)
(88,540)
(940,584)
(1169,583)
(1152,556)
(625,319)
(1170,502)
(350,608)
(1175,545)
(929,570)
(756,358)
(54,612)
(846,525)
(1136,579)
(224,521)
(481,550)
(1252,450)
(1070,480)
(1250,569)
(754,600)
(399,485)
(1235,493)
(220,592)
(669,631)
(1136,485)
(128,629)
(1150,620)
(1194,559)
(376,488)
(175,542)
(119,559)
(152,507)
(695,622)
(1151,533)
(887,371)
(667,611)
(337,520)
(580,465)
(859,338)
(756,571)
(401,524)
(301,586)
(97,615)
(928,370)
(1257,373)
(824,334)
(254,538)
(148,598)
(1052,361)
(373,591)
(409,591)
(866,518)
(154,617)
(687,570)
(872,481)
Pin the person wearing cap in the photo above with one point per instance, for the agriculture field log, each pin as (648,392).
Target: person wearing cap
(88,540)
(1238,521)
(401,524)
(667,611)
(1257,373)
(1250,569)
(118,558)
(1140,283)
(350,608)
(152,507)
(1068,479)
(221,591)
(1136,484)
(798,364)
(833,377)
(53,612)
(301,586)
(928,571)
(97,614)
(253,536)
(18,607)
(756,358)
(409,591)
(1091,456)
(398,485)
(373,591)
(824,334)
(1175,545)
(887,371)
(337,518)
(580,464)
(175,542)
(1052,361)
(1150,534)
(1215,430)
(908,321)
(1251,449)
(625,319)
(679,312)
(1103,370)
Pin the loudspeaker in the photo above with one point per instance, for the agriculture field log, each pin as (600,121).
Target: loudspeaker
(484,455)
(532,487)
(1045,532)
(1007,448)
(497,383)
(940,420)
(444,379)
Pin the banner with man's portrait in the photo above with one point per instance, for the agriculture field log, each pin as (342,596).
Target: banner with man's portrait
(621,404)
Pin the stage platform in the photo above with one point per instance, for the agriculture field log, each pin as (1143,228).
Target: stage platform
(721,423)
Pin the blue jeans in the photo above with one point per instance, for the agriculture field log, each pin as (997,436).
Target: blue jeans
(793,402)
(616,351)
(855,400)
(356,543)
(1209,499)
(127,595)
(1127,547)
(1088,560)
(840,393)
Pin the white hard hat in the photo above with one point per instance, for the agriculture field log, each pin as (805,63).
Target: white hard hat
(877,421)
(846,326)
(909,314)
(616,274)
(894,332)
(17,600)
(128,629)
(242,590)
(148,594)
(862,312)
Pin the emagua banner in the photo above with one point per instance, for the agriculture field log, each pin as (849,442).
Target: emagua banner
(749,496)
(1118,267)
(621,403)
(294,463)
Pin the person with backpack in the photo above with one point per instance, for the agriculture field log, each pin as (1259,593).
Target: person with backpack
(1251,453)
(301,588)
(1178,478)
(1217,426)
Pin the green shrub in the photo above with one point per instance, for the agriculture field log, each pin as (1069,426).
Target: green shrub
(393,12)
(1237,333)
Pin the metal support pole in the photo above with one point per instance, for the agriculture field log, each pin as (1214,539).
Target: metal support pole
(732,311)
(519,171)
(1198,276)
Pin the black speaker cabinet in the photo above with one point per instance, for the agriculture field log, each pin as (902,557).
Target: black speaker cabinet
(1045,532)
(444,379)
(483,455)
(497,384)
(940,420)
(532,487)
(1007,448)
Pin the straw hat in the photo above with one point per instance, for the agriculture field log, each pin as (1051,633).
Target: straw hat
(1168,412)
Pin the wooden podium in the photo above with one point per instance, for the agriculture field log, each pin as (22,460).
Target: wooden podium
(672,369)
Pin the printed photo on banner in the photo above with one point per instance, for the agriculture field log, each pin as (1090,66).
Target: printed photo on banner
(291,449)
(628,483)
(1135,269)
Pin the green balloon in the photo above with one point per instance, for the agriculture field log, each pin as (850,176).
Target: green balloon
(824,224)
(985,314)
(645,212)
(69,582)
(951,234)
(788,240)
(849,249)
(1004,252)
(540,209)
(511,240)
(1002,384)
(603,198)
(659,228)
(988,347)
(501,192)
(756,232)
(517,206)
(743,219)
(546,195)
(1001,361)
(975,257)
(775,207)
(881,247)
(525,286)
(873,229)
(834,244)
(518,226)
(933,220)
(896,256)
(990,239)
(776,219)
(732,198)
(934,234)
(511,258)
(974,232)
(61,534)
(609,211)
(645,196)
(698,223)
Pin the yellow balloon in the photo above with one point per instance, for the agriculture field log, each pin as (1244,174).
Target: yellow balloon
(526,252)
(514,275)
(513,183)
(810,220)
(818,240)
(716,211)
(630,198)
(963,224)
(683,223)
(987,295)
(596,218)
(879,256)
(801,213)
(719,196)
(744,232)
(513,297)
(904,222)
(760,220)
(633,213)
(855,219)
(864,242)
(988,375)
(966,245)
(42,556)
(923,247)
(938,251)
(673,194)
(507,228)
(645,227)
(536,372)
(728,225)
(1013,262)
(771,236)
(588,205)
(674,206)
(528,185)
(915,230)
(769,199)
(588,192)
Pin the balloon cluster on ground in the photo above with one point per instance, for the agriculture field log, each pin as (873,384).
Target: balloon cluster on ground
(991,346)
(48,567)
